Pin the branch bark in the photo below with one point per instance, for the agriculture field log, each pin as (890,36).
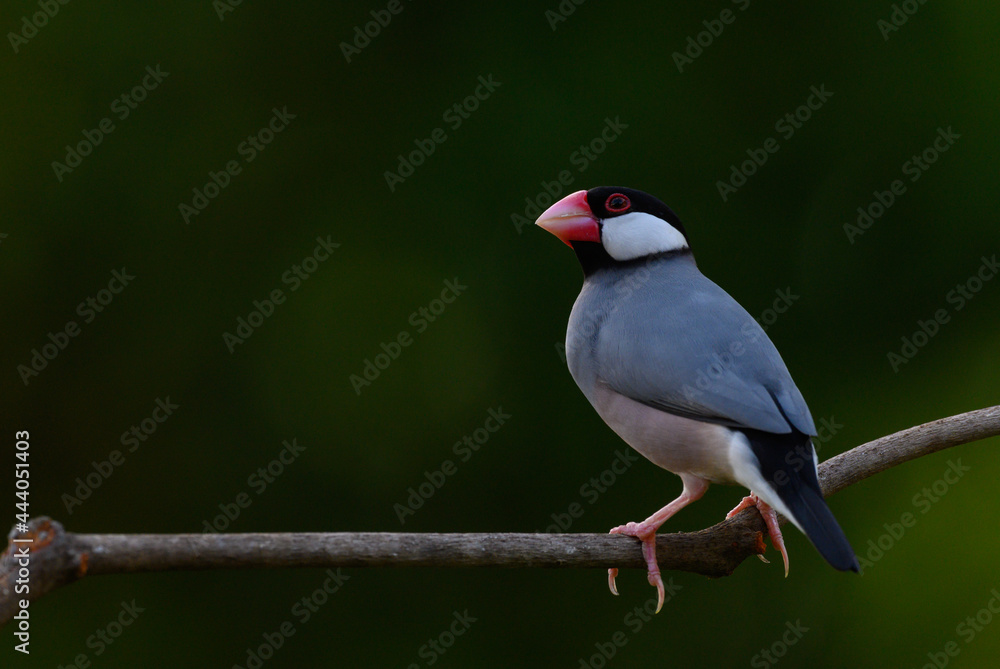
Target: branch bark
(57,557)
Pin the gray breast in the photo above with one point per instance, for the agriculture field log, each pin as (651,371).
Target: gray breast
(644,344)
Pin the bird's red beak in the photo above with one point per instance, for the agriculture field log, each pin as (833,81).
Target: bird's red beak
(571,220)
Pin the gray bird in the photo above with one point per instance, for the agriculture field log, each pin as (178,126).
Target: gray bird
(681,372)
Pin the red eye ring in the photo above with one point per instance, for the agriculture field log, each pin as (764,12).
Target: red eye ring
(618,207)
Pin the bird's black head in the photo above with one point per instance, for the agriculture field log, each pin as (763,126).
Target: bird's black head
(610,224)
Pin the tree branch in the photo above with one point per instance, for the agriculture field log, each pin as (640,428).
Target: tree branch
(57,557)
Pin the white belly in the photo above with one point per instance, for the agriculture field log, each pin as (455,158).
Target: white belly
(680,445)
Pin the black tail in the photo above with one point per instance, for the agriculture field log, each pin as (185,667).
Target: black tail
(788,464)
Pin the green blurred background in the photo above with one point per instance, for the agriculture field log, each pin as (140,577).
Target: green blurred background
(497,345)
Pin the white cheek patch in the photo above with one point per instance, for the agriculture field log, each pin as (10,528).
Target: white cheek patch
(635,235)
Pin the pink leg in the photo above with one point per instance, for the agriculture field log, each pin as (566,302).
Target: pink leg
(645,531)
(770,519)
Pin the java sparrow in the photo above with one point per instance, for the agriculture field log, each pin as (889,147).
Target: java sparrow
(680,371)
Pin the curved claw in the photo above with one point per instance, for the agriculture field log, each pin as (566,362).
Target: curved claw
(657,581)
(648,539)
(694,488)
(771,520)
(770,517)
(653,569)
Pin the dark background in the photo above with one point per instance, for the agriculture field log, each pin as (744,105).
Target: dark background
(497,344)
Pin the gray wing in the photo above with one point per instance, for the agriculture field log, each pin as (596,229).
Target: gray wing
(683,345)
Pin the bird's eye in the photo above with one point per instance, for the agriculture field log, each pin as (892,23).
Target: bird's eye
(617,203)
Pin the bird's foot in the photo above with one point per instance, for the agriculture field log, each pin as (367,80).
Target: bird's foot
(770,517)
(647,535)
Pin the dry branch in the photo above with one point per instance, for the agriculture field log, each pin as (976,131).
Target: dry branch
(58,557)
